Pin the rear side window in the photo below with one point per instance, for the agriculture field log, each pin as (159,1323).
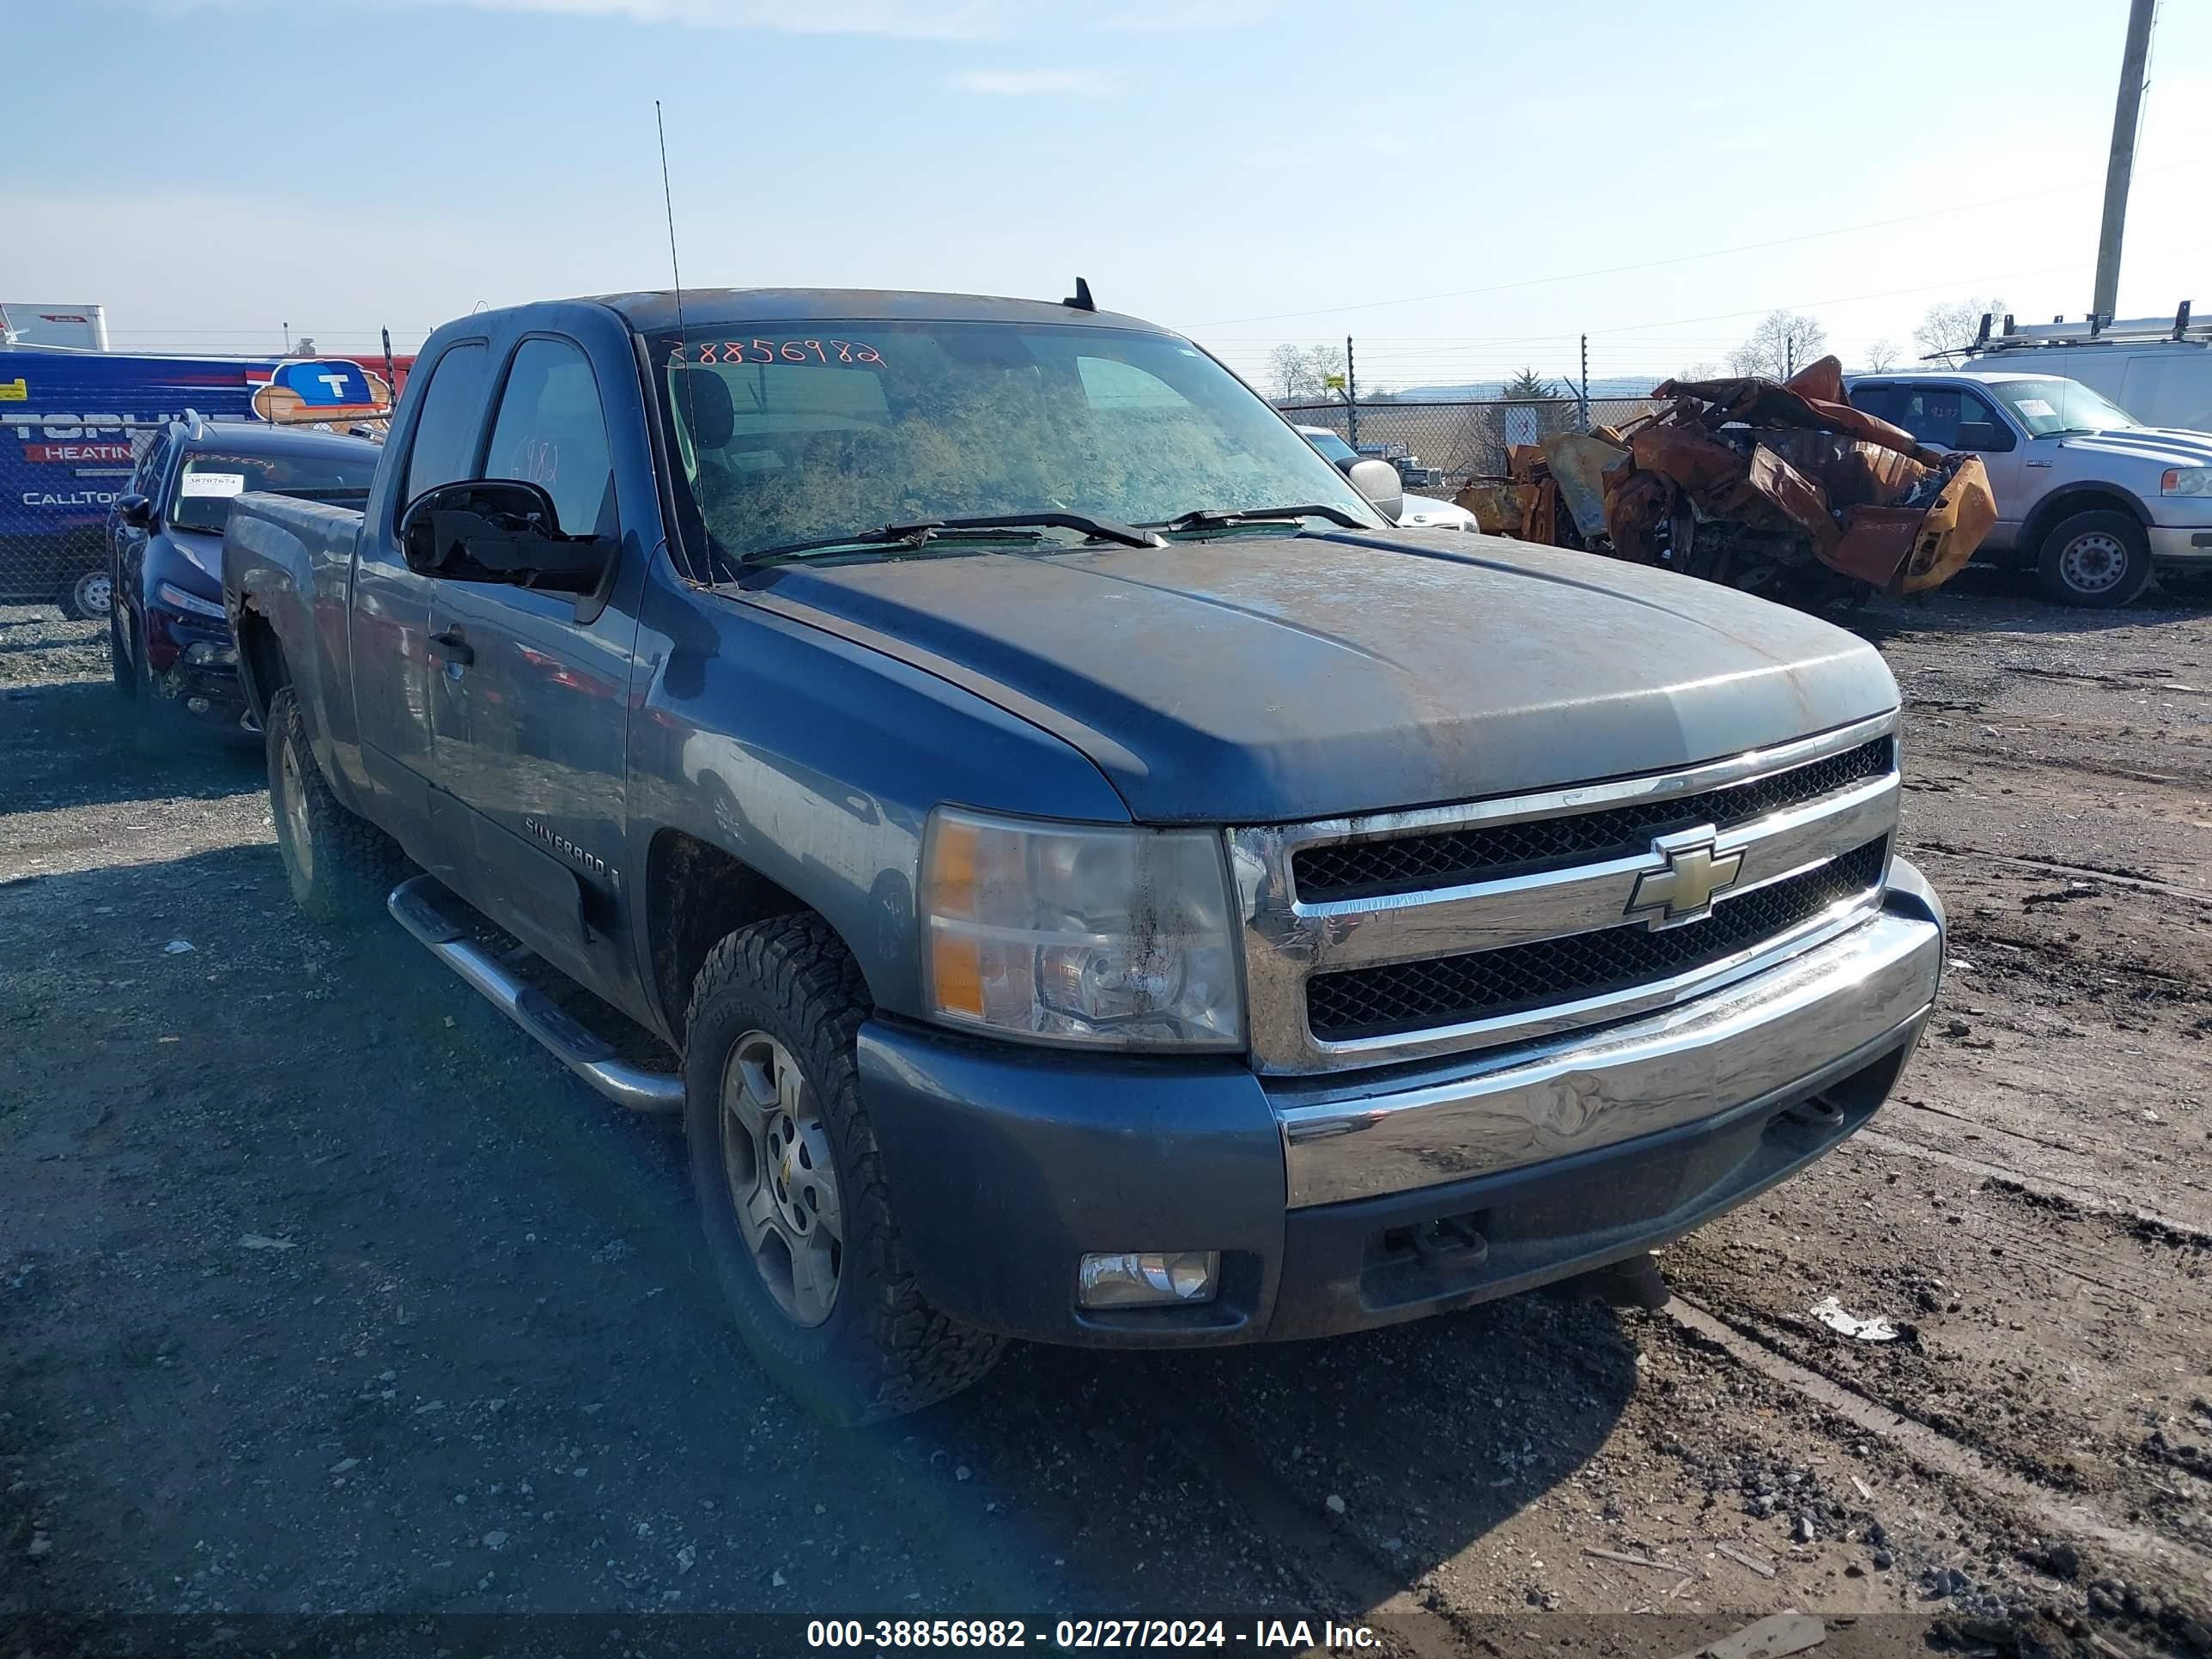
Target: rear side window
(445,432)
(1878,401)
(550,432)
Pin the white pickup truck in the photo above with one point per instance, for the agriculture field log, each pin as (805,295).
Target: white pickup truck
(2088,498)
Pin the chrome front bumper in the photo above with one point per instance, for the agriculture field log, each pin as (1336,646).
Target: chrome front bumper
(1816,1016)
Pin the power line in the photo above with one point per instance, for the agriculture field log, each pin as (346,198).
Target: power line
(1678,258)
(1884,294)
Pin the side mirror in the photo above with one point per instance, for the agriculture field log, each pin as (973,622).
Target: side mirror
(136,511)
(1379,482)
(1983,435)
(498,530)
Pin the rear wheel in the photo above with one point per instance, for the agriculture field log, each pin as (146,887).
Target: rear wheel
(341,865)
(88,596)
(2101,560)
(791,1186)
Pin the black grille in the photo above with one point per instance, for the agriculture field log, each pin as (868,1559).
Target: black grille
(1486,853)
(1412,996)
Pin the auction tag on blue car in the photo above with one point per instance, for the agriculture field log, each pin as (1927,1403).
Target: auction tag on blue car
(213,483)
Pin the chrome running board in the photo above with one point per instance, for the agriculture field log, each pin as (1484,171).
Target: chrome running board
(413,905)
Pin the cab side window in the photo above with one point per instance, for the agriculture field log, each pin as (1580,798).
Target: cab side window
(1934,415)
(549,431)
(444,440)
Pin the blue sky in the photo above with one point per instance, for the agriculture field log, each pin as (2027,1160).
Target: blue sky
(1248,171)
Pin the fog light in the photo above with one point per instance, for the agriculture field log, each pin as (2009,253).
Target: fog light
(208,653)
(197,705)
(1147,1279)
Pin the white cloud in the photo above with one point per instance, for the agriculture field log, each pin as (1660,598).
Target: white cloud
(1024,83)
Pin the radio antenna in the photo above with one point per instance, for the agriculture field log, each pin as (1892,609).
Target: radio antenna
(668,202)
(675,271)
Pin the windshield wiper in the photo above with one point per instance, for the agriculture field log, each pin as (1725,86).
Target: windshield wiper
(1215,517)
(1003,526)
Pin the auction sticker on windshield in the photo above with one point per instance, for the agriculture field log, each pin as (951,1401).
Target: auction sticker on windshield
(213,483)
(2035,408)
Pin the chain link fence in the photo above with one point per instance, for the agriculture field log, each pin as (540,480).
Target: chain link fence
(1440,446)
(55,492)
(72,427)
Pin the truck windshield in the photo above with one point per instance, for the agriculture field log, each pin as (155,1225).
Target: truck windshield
(791,434)
(2047,408)
(210,481)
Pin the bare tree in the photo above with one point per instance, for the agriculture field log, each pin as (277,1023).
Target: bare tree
(1701,372)
(1882,356)
(1286,372)
(1301,372)
(1321,362)
(1784,342)
(1953,325)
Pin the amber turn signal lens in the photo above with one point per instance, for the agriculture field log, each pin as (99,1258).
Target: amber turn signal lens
(955,974)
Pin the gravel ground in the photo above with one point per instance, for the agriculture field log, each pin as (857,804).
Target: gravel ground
(322,1290)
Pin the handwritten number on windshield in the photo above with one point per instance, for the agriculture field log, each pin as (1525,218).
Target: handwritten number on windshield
(783,351)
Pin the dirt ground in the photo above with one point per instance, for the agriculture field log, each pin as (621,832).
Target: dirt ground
(322,1290)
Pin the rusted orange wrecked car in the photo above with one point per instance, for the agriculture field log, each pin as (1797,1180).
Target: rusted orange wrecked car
(1779,487)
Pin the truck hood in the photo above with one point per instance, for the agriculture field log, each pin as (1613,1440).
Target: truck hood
(1435,513)
(1254,679)
(203,550)
(2156,444)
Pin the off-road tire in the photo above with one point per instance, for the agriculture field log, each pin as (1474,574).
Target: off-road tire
(350,866)
(2055,569)
(883,1350)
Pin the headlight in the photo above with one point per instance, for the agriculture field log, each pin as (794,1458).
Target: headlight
(2186,481)
(1104,935)
(170,594)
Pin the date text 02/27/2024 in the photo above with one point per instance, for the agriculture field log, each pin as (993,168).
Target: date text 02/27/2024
(1291,1635)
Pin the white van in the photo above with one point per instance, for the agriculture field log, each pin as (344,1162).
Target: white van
(2158,369)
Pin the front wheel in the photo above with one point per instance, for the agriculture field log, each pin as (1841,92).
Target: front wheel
(791,1186)
(2099,560)
(121,665)
(340,866)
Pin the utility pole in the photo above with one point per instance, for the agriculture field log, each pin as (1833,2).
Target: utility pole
(1351,394)
(2127,117)
(1581,412)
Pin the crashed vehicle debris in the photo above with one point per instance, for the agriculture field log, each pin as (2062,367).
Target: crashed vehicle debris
(1779,488)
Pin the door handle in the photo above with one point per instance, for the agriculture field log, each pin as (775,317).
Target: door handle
(452,648)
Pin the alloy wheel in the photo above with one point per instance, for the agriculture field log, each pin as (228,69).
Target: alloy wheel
(782,1178)
(297,824)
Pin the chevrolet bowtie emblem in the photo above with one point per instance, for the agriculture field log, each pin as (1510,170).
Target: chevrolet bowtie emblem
(1684,890)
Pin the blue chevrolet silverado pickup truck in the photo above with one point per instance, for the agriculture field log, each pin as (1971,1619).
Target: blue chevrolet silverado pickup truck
(1105,883)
